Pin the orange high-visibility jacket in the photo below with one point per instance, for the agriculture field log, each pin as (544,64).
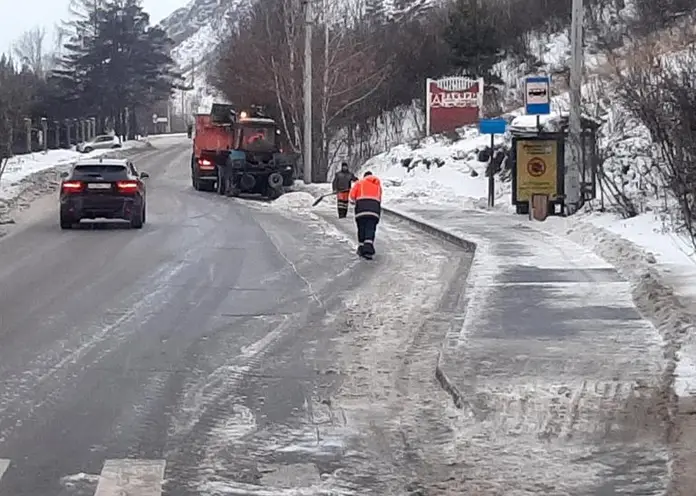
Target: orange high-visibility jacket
(366,194)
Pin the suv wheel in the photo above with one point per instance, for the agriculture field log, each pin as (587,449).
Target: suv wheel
(138,218)
(66,222)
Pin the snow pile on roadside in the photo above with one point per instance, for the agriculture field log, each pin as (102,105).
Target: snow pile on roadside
(437,171)
(297,201)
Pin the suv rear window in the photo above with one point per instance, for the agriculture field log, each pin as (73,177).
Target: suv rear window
(118,171)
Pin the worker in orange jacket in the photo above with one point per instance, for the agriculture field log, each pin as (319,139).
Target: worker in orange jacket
(366,195)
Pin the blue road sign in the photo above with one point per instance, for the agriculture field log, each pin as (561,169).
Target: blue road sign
(492,126)
(537,95)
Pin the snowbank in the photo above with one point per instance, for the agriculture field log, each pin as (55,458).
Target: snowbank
(296,200)
(436,171)
(23,166)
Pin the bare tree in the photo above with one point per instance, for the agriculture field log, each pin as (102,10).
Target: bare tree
(30,50)
(660,90)
(348,74)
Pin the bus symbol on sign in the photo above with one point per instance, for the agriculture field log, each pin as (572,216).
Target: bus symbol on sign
(537,95)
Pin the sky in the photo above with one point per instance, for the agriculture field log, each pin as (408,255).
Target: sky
(22,15)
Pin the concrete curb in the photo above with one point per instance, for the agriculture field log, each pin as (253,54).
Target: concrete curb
(440,375)
(433,230)
(447,385)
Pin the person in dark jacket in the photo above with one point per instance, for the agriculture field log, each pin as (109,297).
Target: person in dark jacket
(341,186)
(366,195)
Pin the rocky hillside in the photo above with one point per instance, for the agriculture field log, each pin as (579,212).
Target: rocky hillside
(198,27)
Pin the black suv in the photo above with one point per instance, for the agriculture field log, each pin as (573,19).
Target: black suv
(102,189)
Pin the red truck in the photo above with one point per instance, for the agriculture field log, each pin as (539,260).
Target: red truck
(239,153)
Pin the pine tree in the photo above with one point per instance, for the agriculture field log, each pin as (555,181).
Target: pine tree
(116,61)
(473,38)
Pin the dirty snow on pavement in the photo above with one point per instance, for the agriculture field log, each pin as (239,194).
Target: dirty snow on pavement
(377,421)
(582,388)
(560,379)
(569,395)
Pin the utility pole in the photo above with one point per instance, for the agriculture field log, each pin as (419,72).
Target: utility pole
(574,157)
(308,93)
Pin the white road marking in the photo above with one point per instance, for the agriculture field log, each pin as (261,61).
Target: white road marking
(4,463)
(131,478)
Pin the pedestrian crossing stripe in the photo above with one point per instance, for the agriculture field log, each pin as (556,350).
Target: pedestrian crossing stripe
(131,477)
(123,477)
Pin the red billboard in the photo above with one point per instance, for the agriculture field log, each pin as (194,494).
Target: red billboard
(452,102)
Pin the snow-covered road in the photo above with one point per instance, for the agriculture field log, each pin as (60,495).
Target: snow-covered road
(230,347)
(268,358)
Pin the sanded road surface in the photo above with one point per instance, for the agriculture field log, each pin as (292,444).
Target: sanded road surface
(206,353)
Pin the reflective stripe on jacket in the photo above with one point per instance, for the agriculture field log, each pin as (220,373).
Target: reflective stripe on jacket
(367,196)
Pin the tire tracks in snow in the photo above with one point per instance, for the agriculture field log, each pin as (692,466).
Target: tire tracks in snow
(390,333)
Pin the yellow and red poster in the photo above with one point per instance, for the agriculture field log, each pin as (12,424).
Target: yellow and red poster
(537,169)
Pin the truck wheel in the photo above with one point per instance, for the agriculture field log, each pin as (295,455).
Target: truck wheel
(247,182)
(275,180)
(195,182)
(221,181)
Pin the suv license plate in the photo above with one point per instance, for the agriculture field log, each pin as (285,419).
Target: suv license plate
(99,186)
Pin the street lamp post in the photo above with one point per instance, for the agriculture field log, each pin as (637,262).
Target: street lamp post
(573,164)
(308,93)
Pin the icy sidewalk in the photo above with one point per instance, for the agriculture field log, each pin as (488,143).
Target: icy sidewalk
(562,381)
(662,265)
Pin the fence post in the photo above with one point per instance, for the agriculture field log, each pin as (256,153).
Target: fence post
(44,133)
(67,133)
(57,131)
(27,128)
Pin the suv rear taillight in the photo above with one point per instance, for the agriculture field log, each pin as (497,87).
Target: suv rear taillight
(205,164)
(72,186)
(127,186)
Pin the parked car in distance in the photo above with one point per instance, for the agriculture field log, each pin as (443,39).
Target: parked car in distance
(103,142)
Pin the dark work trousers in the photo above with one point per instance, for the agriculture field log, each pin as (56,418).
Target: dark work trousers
(367,228)
(342,204)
